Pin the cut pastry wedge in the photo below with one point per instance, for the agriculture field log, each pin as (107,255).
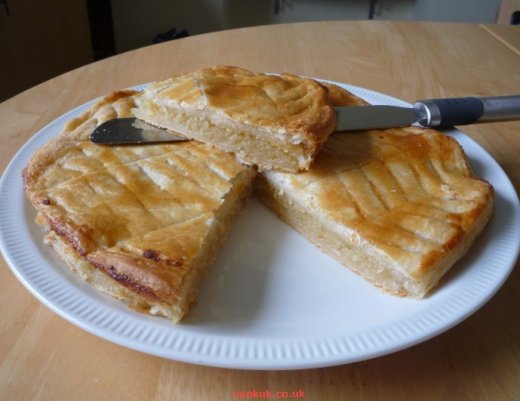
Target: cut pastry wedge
(397,206)
(273,122)
(141,223)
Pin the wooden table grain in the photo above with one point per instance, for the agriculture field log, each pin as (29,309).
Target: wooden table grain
(507,35)
(43,357)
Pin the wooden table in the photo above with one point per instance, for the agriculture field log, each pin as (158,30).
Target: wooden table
(43,357)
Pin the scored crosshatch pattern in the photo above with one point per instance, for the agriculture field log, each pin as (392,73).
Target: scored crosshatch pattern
(390,186)
(140,194)
(402,196)
(128,190)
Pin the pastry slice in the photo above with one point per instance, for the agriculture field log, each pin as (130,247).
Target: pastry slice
(397,206)
(273,122)
(141,223)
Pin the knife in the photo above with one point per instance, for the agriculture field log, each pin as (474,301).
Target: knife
(440,113)
(131,130)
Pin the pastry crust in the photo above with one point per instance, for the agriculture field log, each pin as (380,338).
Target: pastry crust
(142,223)
(274,122)
(397,206)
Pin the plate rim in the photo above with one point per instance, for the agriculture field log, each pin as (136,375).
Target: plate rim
(308,354)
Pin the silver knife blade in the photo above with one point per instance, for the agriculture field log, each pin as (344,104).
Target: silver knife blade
(353,118)
(119,131)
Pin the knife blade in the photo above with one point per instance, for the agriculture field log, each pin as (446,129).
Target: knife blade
(439,113)
(130,130)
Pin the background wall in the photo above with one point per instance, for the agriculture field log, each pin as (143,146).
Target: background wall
(41,39)
(137,22)
(484,11)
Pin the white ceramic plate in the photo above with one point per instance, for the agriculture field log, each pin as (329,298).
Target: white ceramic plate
(272,300)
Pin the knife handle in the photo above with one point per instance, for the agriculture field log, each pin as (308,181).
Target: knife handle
(467,110)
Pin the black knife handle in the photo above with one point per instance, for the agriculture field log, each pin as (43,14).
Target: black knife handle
(467,110)
(450,112)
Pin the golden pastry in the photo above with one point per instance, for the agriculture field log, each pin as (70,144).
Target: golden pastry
(397,206)
(141,223)
(274,122)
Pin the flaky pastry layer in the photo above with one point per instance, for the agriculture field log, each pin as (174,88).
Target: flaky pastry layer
(398,206)
(274,122)
(142,223)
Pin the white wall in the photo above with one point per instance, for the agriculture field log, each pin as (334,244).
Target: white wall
(481,11)
(136,22)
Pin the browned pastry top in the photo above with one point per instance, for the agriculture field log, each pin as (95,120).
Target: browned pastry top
(285,104)
(139,213)
(408,191)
